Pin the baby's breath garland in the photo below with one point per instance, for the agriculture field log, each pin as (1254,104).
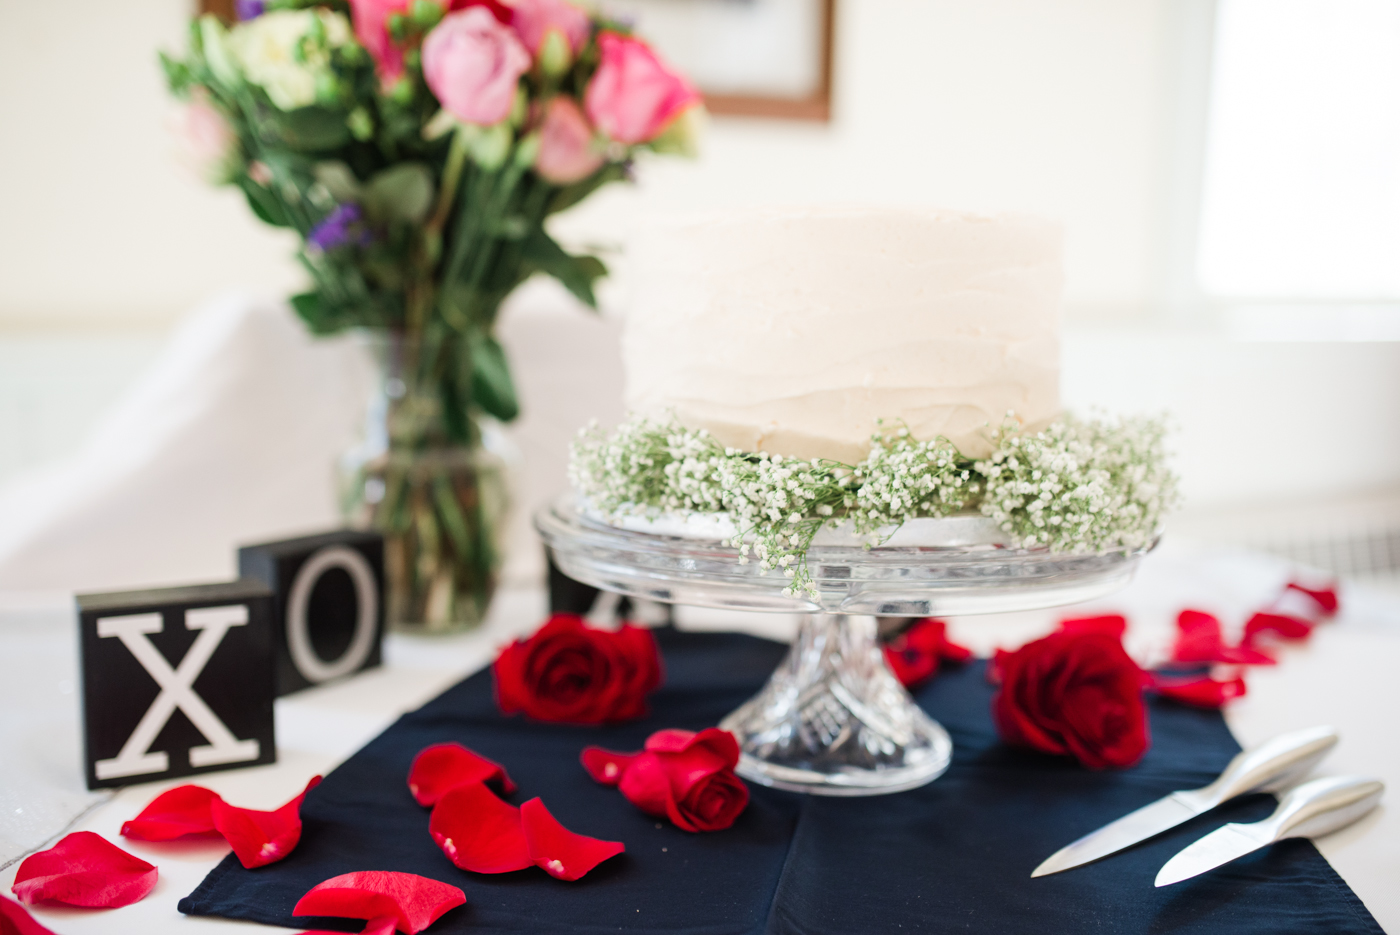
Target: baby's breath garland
(1077,486)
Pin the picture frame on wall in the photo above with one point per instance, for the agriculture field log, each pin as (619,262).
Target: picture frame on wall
(752,58)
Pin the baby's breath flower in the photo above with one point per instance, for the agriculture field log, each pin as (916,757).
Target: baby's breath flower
(1077,486)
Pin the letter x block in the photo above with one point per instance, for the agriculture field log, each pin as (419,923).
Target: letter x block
(328,603)
(176,681)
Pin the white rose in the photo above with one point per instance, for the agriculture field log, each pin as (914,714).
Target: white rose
(284,52)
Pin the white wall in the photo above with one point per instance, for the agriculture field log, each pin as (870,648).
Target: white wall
(1049,106)
(98,222)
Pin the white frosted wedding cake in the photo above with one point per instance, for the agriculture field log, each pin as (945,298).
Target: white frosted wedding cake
(792,331)
(829,376)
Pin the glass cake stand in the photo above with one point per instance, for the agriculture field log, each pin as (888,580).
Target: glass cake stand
(833,719)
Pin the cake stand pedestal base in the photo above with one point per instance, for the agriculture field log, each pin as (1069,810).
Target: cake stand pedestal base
(834,720)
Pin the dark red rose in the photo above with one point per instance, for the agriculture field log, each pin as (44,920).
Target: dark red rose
(1074,692)
(915,655)
(572,672)
(684,776)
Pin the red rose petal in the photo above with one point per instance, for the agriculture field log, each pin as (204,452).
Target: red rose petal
(674,740)
(479,832)
(174,814)
(261,838)
(411,901)
(558,851)
(647,786)
(1284,625)
(379,925)
(1203,692)
(16,920)
(606,766)
(1114,625)
(1326,598)
(1198,640)
(444,766)
(84,869)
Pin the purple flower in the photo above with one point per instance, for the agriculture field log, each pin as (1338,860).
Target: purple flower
(340,227)
(249,9)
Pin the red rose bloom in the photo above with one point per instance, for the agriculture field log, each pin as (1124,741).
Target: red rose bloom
(684,776)
(915,655)
(1075,691)
(571,672)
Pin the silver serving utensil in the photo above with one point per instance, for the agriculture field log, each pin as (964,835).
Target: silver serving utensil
(1309,811)
(1274,764)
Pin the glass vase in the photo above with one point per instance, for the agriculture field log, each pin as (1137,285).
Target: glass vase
(440,501)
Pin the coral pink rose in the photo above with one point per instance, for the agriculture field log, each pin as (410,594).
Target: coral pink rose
(566,152)
(534,19)
(372,29)
(633,96)
(473,64)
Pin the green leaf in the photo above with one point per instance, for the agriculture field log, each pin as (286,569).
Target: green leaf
(264,203)
(576,273)
(492,387)
(311,129)
(402,193)
(177,75)
(308,308)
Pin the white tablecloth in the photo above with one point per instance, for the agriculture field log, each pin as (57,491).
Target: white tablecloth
(1344,675)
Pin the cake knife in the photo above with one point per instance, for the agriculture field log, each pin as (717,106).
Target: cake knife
(1272,765)
(1309,811)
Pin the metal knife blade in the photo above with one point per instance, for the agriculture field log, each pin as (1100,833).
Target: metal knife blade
(1269,766)
(1131,828)
(1221,846)
(1310,810)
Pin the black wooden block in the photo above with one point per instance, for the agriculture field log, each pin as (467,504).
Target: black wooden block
(176,681)
(567,596)
(328,597)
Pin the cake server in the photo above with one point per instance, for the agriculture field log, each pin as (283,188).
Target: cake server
(1309,811)
(1272,765)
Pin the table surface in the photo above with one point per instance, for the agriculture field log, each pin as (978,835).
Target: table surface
(1344,675)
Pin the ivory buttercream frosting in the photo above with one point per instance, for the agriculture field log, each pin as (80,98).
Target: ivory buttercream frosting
(793,330)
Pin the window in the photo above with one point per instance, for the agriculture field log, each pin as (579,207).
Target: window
(1301,190)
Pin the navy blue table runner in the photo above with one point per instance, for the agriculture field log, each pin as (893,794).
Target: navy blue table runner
(954,856)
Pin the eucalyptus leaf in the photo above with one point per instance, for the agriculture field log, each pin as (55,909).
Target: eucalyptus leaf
(339,180)
(400,194)
(266,205)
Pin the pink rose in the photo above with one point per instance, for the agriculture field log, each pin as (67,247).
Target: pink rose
(372,29)
(566,152)
(633,96)
(533,20)
(473,64)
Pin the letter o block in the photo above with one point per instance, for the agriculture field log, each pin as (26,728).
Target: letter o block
(328,600)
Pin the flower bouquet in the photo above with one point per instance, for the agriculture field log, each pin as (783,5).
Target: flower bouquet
(418,147)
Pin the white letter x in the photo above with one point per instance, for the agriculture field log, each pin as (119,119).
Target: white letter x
(176,691)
